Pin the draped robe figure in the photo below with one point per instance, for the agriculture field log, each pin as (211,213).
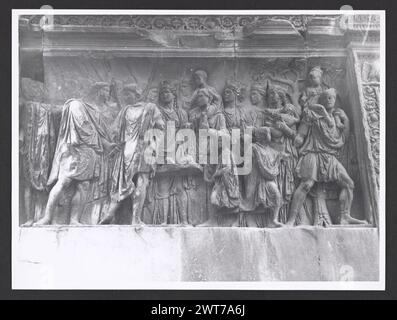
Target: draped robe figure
(37,145)
(168,194)
(221,179)
(260,187)
(131,171)
(282,117)
(79,154)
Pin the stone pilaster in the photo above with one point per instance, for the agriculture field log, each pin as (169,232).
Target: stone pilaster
(364,86)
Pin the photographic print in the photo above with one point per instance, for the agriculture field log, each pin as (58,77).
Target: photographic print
(198,149)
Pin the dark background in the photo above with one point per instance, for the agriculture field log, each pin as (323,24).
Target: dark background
(5,160)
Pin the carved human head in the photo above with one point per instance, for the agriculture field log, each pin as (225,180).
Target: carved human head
(328,98)
(233,90)
(200,78)
(315,76)
(184,88)
(130,94)
(100,91)
(257,93)
(276,96)
(152,95)
(203,97)
(166,92)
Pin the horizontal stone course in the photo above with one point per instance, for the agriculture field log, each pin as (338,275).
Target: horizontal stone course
(64,257)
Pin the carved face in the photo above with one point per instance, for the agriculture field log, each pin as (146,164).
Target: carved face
(198,79)
(103,93)
(228,95)
(329,101)
(274,97)
(185,89)
(202,99)
(129,97)
(255,97)
(166,96)
(152,95)
(315,78)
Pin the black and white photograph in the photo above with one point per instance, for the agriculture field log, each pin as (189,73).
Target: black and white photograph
(201,149)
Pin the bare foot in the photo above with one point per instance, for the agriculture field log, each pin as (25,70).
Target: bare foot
(106,219)
(28,223)
(137,222)
(43,221)
(275,224)
(75,223)
(348,219)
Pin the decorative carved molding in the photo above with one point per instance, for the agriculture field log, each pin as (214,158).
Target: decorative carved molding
(163,22)
(357,22)
(367,69)
(177,35)
(371,105)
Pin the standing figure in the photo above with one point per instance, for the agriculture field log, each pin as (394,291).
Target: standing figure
(260,185)
(322,133)
(130,174)
(222,180)
(169,189)
(79,154)
(37,144)
(282,117)
(235,118)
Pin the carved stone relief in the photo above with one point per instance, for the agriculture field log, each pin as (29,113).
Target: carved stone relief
(291,116)
(369,67)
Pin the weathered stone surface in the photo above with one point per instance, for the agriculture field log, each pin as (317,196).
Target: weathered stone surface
(126,257)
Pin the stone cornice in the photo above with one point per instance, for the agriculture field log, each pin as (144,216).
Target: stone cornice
(202,36)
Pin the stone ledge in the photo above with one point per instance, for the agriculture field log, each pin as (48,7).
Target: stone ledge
(65,257)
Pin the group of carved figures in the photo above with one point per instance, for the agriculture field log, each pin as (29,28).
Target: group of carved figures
(294,146)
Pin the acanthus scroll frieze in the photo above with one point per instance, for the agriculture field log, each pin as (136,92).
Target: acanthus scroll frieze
(368,71)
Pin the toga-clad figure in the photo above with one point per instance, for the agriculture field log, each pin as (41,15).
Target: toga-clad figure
(131,173)
(80,153)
